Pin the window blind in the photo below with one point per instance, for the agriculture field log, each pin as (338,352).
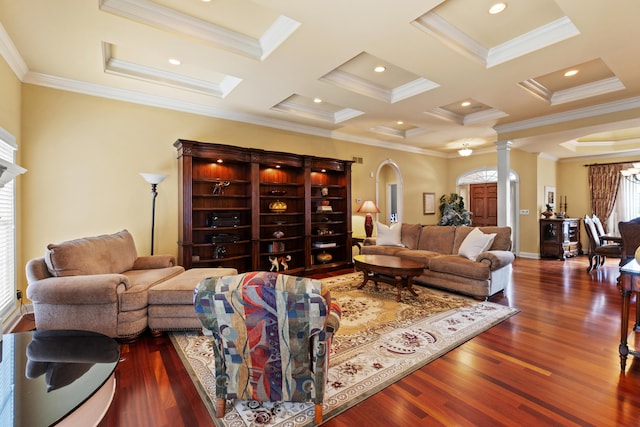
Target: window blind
(7,237)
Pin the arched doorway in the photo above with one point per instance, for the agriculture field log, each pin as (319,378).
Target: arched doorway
(389,192)
(490,175)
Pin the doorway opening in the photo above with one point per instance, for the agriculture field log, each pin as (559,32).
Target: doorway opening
(389,190)
(485,178)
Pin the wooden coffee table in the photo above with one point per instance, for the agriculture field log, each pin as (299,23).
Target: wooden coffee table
(389,269)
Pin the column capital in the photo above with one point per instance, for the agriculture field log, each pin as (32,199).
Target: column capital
(504,144)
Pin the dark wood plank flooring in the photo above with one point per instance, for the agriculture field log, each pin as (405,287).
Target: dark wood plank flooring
(554,364)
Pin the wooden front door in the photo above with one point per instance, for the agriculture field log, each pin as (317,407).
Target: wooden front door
(484,204)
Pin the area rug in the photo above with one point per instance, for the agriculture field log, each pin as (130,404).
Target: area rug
(379,342)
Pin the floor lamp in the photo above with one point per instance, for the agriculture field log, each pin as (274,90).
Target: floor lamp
(154,179)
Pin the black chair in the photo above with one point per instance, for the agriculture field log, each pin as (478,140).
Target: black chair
(598,252)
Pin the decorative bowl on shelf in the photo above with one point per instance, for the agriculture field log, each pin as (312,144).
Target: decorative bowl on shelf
(324,257)
(278,192)
(277,206)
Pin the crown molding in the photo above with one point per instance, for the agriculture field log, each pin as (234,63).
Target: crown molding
(364,87)
(168,19)
(122,68)
(456,39)
(587,90)
(580,113)
(204,110)
(334,117)
(536,39)
(10,54)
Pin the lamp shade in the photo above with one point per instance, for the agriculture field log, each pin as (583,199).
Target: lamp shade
(154,178)
(368,207)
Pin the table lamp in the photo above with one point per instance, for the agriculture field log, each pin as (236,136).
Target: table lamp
(368,207)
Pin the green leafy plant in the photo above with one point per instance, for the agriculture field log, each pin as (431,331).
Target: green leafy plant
(452,211)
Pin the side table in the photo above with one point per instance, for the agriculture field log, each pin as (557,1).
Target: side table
(57,377)
(629,282)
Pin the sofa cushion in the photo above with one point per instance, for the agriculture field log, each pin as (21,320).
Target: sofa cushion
(137,296)
(459,266)
(410,235)
(417,255)
(389,236)
(475,242)
(381,250)
(437,238)
(112,253)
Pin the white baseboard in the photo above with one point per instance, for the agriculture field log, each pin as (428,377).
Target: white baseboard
(16,315)
(533,255)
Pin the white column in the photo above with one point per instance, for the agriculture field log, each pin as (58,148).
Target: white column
(504,199)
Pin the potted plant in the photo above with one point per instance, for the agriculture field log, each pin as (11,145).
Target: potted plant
(452,211)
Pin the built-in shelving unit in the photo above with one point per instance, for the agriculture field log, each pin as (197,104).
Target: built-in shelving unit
(254,209)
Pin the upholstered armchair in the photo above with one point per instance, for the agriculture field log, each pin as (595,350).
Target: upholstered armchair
(271,336)
(97,284)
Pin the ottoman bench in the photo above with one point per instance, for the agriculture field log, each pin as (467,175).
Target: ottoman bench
(171,302)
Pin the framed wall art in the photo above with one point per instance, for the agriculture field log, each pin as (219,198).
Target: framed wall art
(550,196)
(429,203)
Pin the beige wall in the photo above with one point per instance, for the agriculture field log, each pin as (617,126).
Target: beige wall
(84,154)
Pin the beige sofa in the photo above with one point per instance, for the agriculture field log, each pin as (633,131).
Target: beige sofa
(100,284)
(481,276)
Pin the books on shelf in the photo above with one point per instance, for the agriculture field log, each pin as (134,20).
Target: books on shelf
(324,209)
(324,244)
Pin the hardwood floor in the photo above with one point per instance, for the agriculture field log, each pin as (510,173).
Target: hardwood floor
(554,364)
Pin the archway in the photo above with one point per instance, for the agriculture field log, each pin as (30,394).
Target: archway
(389,191)
(487,175)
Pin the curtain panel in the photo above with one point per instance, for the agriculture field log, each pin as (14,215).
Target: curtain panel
(604,182)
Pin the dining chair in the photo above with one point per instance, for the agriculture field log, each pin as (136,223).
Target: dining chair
(630,234)
(598,252)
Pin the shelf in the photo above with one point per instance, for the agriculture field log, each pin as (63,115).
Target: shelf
(253,175)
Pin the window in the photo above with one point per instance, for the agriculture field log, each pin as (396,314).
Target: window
(627,205)
(7,231)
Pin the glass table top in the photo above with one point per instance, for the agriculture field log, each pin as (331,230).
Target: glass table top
(45,375)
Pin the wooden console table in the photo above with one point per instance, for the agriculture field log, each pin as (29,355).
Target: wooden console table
(629,282)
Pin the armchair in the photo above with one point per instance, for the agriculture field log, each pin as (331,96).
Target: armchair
(271,336)
(97,284)
(598,252)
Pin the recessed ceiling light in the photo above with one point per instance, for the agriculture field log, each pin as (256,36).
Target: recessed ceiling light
(380,69)
(206,1)
(174,61)
(571,73)
(465,104)
(400,122)
(497,8)
(317,100)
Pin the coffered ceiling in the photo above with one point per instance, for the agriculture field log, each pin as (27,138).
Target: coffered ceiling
(309,66)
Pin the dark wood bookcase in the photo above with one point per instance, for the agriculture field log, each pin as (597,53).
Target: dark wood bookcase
(250,209)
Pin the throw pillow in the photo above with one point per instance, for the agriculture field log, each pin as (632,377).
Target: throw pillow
(475,242)
(389,236)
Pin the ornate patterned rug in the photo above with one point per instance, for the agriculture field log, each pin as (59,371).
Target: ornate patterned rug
(379,342)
